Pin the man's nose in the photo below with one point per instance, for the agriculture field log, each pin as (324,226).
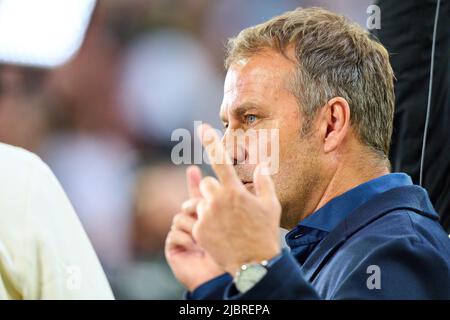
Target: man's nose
(235,148)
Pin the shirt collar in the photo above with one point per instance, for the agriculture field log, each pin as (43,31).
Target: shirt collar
(317,225)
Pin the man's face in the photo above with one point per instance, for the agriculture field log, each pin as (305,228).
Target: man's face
(256,96)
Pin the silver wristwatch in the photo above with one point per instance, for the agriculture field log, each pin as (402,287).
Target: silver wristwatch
(249,275)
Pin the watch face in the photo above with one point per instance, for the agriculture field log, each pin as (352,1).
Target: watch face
(248,277)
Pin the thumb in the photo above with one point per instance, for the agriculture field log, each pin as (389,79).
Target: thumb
(263,182)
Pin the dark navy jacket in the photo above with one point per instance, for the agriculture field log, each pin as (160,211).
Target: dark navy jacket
(386,228)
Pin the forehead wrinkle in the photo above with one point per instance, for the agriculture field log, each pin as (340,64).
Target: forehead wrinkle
(252,79)
(240,109)
(251,75)
(266,63)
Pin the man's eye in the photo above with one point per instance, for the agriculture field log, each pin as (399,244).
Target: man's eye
(225,126)
(249,119)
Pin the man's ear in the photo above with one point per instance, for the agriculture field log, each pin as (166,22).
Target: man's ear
(335,123)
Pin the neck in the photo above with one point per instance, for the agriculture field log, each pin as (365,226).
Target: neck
(348,177)
(344,178)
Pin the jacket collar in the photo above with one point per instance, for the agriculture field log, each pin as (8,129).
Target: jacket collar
(412,198)
(310,231)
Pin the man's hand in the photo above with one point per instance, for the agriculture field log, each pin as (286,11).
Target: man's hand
(235,226)
(191,265)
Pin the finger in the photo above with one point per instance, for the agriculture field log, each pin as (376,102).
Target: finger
(183,222)
(190,206)
(220,160)
(209,187)
(193,177)
(202,208)
(264,185)
(178,238)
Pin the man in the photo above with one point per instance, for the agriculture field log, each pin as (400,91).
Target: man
(44,251)
(356,230)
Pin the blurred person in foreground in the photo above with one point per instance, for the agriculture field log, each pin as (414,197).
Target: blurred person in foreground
(155,201)
(44,251)
(357,231)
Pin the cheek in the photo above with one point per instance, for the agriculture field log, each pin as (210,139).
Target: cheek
(290,149)
(296,176)
(277,141)
(290,135)
(298,160)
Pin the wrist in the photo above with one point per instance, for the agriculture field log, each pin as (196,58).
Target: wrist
(251,274)
(234,268)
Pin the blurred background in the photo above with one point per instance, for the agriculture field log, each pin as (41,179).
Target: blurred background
(103,120)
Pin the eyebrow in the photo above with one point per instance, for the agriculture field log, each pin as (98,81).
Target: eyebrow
(240,110)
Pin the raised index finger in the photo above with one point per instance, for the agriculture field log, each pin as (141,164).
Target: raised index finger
(219,158)
(193,178)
